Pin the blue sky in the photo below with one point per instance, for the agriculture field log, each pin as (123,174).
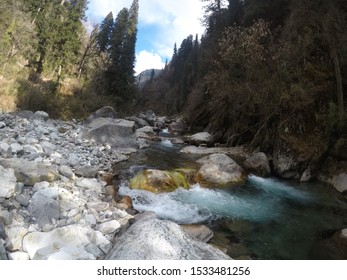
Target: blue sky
(161,24)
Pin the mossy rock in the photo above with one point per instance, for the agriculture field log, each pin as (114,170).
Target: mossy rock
(158,181)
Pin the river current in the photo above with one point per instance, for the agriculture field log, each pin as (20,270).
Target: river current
(265,218)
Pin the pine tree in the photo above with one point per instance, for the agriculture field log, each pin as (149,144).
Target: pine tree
(105,33)
(120,73)
(59,25)
(115,76)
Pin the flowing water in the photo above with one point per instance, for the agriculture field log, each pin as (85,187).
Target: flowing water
(266,218)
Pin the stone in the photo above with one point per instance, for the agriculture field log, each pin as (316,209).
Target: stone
(7,182)
(29,172)
(18,256)
(154,239)
(43,209)
(144,132)
(16,148)
(98,205)
(178,127)
(61,252)
(258,164)
(87,171)
(94,250)
(138,121)
(2,125)
(333,172)
(201,232)
(339,182)
(40,185)
(73,159)
(104,112)
(15,237)
(90,220)
(48,147)
(51,192)
(159,181)
(5,149)
(5,217)
(199,138)
(119,134)
(3,254)
(42,114)
(219,169)
(3,233)
(22,200)
(77,236)
(66,171)
(125,203)
(109,227)
(90,184)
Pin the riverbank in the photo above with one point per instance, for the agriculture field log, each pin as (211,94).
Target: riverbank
(59,192)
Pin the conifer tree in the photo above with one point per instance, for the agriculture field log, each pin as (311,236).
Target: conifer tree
(105,32)
(120,73)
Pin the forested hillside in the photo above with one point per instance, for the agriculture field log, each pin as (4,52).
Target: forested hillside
(51,61)
(270,74)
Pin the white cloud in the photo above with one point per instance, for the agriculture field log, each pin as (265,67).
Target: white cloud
(175,20)
(147,60)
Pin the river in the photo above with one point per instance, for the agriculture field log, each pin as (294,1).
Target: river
(264,219)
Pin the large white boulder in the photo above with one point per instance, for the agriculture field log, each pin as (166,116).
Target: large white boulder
(154,239)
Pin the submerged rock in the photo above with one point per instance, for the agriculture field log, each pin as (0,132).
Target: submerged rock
(159,181)
(153,239)
(201,232)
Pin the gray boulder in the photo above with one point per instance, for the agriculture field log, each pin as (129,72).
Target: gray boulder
(104,112)
(154,239)
(7,182)
(87,171)
(258,164)
(219,169)
(44,209)
(138,121)
(199,138)
(29,172)
(119,134)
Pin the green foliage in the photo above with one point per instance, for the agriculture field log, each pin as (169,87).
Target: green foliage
(119,72)
(59,25)
(105,33)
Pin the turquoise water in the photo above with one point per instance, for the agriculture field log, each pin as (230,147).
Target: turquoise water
(269,218)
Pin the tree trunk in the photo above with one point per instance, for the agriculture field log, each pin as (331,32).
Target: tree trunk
(339,85)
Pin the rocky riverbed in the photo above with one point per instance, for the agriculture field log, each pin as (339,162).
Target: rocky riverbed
(58,196)
(59,191)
